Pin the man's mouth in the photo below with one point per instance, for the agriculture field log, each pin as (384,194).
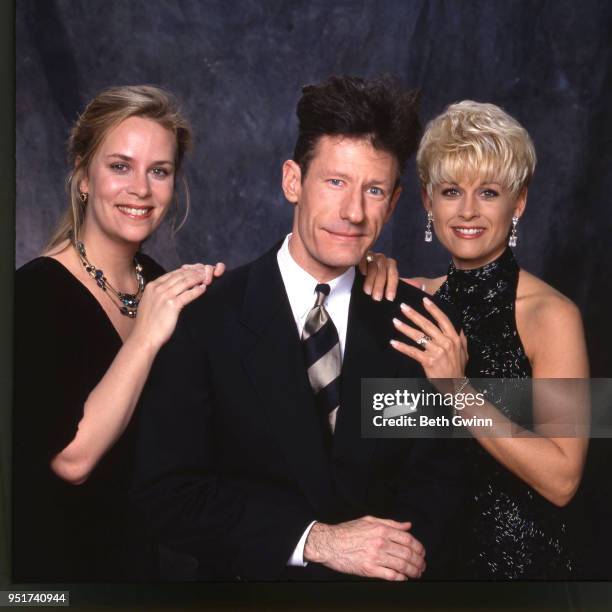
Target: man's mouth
(344,235)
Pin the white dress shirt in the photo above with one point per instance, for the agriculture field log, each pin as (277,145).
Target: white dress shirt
(300,288)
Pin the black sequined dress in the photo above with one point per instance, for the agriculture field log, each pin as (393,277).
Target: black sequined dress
(512,531)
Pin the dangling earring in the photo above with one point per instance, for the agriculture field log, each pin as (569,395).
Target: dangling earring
(428,234)
(84,196)
(513,233)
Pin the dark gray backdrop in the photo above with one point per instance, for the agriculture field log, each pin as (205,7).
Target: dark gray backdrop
(239,66)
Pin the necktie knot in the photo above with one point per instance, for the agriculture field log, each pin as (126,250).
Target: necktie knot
(322,291)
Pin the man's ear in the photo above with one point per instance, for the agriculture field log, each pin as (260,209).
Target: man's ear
(397,192)
(292,181)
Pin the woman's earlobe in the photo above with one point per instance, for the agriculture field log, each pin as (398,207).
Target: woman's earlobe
(521,203)
(82,182)
(425,199)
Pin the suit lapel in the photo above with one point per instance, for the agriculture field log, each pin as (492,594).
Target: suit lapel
(273,360)
(367,355)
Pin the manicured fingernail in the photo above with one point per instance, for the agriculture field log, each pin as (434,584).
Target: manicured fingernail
(427,301)
(393,342)
(396,322)
(377,297)
(389,297)
(367,290)
(405,307)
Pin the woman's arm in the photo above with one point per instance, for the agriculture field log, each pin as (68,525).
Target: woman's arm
(110,405)
(551,465)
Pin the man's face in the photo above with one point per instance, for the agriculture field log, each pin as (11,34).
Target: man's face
(341,204)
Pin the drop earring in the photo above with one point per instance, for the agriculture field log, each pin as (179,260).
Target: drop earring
(428,234)
(513,233)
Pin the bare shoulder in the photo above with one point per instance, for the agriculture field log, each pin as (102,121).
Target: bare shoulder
(550,326)
(540,304)
(429,285)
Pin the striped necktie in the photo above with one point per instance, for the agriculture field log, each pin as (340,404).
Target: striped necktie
(323,358)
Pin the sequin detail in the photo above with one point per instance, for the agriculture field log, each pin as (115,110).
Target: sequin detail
(514,533)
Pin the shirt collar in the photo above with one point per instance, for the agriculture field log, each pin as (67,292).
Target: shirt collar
(300,285)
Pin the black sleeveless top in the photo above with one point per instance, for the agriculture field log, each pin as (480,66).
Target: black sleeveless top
(513,532)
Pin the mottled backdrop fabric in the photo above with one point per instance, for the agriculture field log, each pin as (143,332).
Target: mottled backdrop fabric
(238,68)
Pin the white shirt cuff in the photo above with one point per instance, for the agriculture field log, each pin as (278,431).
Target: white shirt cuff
(297,558)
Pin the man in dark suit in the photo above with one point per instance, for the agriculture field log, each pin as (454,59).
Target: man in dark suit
(251,458)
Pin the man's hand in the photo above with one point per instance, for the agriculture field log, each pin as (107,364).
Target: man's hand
(368,546)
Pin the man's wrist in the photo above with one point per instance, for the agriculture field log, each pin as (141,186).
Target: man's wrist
(314,549)
(297,557)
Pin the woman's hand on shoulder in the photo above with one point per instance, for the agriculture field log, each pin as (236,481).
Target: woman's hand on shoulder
(442,351)
(166,296)
(381,276)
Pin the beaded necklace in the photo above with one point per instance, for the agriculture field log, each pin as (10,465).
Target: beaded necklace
(126,302)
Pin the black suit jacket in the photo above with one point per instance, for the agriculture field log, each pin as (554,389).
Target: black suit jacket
(231,461)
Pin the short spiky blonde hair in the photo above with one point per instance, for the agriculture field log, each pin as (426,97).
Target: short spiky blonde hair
(471,140)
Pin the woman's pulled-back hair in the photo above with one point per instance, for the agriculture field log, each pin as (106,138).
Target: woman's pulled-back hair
(107,110)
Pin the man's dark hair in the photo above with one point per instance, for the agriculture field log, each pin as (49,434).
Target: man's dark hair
(376,109)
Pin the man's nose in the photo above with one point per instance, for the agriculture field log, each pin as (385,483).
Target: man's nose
(353,206)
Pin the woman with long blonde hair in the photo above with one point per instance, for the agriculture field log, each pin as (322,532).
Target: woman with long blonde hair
(91,314)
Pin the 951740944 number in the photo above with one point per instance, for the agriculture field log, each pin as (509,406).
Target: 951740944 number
(34,598)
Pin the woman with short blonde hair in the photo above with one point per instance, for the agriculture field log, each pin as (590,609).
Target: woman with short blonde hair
(471,140)
(475,163)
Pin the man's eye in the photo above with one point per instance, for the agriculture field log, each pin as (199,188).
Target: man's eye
(119,167)
(377,191)
(336,182)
